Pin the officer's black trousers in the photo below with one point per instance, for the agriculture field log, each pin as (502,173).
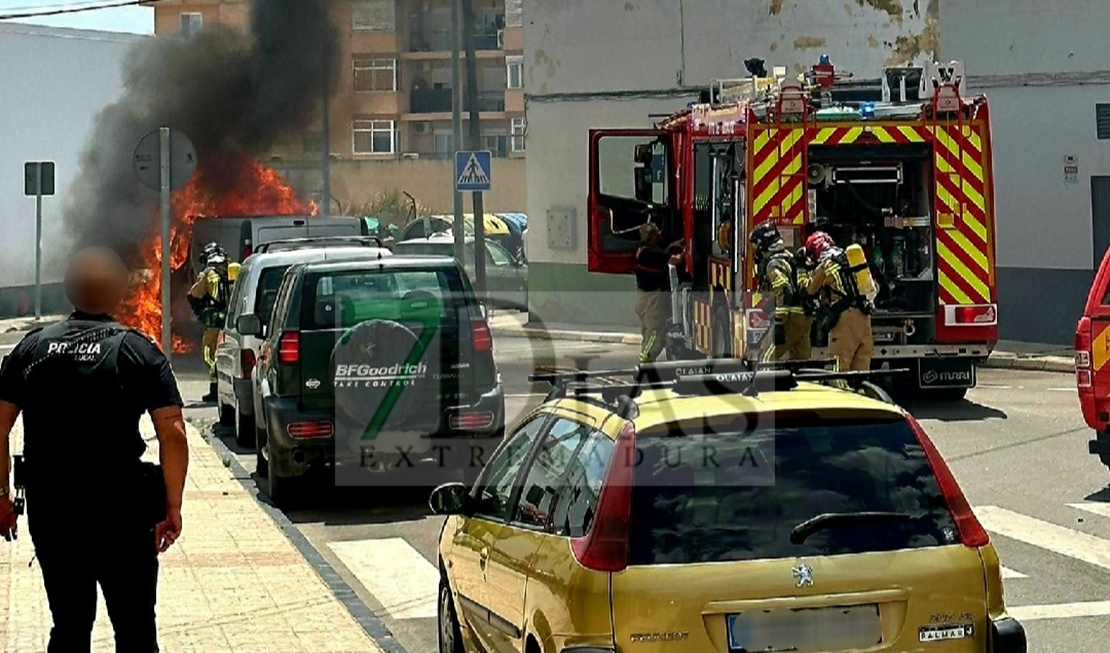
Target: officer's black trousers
(75,555)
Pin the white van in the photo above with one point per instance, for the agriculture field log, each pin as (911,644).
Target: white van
(254,292)
(239,235)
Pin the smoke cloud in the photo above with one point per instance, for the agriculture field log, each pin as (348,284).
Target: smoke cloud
(229,91)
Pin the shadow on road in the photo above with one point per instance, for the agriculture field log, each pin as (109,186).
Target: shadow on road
(1102,496)
(955,411)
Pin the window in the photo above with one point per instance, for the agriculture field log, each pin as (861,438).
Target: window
(235,302)
(313,143)
(520,126)
(374,16)
(1102,121)
(375,75)
(502,472)
(515,69)
(577,502)
(268,283)
(545,476)
(191,23)
(497,255)
(374,137)
(445,142)
(742,490)
(284,295)
(348,298)
(496,142)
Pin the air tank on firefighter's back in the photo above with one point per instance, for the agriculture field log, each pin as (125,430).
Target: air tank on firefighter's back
(857,262)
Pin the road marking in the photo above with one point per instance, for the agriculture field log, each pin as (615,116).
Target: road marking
(401,579)
(1060,610)
(529,395)
(1010,573)
(1051,537)
(995,387)
(1093,507)
(1063,390)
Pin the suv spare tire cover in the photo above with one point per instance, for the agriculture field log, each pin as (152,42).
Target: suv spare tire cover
(380,349)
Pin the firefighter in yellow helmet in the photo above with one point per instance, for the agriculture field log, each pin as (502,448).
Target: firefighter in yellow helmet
(847,307)
(653,286)
(781,274)
(209,300)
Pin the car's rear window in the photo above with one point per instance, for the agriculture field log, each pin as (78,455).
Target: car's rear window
(350,297)
(724,496)
(268,282)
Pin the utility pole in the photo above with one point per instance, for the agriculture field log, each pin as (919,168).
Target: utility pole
(475,144)
(456,125)
(325,128)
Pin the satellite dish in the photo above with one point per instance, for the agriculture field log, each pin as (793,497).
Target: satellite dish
(817,173)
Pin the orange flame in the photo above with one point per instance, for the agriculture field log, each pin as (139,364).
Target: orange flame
(225,184)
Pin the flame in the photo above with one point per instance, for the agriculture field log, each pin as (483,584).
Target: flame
(226,183)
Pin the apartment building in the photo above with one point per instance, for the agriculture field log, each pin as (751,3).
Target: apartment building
(390,115)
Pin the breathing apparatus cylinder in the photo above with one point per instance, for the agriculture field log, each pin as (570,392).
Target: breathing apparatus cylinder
(857,261)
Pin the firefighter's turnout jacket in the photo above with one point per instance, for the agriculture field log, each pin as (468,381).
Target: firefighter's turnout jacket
(847,311)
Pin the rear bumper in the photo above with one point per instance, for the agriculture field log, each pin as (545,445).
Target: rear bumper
(1008,636)
(436,446)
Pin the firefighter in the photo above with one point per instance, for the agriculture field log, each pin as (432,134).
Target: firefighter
(847,310)
(653,285)
(208,298)
(780,273)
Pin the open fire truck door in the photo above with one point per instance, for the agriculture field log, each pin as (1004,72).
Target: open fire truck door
(631,184)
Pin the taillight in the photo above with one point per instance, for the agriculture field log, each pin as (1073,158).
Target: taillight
(470,421)
(605,545)
(1083,377)
(981,315)
(289,347)
(247,362)
(483,339)
(246,252)
(972,534)
(309,430)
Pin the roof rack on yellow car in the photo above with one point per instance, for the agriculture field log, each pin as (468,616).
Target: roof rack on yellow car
(701,378)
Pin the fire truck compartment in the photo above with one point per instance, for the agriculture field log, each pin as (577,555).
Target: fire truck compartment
(881,197)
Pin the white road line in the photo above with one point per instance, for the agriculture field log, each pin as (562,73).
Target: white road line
(1062,390)
(1060,610)
(1051,537)
(995,387)
(401,579)
(1093,507)
(1010,573)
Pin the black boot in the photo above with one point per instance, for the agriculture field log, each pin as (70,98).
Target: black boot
(210,398)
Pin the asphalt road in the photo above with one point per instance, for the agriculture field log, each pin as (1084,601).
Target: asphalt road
(1017,446)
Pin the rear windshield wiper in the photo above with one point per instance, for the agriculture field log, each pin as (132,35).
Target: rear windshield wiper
(838,519)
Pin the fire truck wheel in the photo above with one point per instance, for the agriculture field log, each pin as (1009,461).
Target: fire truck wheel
(722,343)
(370,367)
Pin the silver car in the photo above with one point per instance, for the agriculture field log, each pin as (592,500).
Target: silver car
(254,292)
(506,277)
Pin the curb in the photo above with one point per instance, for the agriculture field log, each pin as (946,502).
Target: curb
(374,627)
(998,359)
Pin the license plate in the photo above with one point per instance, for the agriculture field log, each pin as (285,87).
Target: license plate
(946,373)
(811,629)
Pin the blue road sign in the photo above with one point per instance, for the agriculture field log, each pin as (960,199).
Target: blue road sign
(472,171)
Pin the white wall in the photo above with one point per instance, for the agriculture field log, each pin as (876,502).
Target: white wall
(54,82)
(645,48)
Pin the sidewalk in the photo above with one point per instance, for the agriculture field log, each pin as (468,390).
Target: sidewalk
(1007,355)
(233,582)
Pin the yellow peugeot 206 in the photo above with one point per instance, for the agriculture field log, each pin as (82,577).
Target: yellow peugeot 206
(716,509)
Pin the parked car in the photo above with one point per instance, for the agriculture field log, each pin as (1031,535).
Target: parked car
(721,512)
(506,276)
(341,337)
(254,293)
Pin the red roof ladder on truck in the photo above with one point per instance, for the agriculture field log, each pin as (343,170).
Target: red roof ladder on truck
(900,165)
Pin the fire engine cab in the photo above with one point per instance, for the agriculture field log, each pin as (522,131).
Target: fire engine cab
(900,165)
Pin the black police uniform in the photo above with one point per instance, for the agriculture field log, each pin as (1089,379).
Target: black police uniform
(82,386)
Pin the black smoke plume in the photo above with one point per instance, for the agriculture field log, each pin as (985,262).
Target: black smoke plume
(227,90)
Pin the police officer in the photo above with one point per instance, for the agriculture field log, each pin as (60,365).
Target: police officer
(781,274)
(208,298)
(653,286)
(97,513)
(848,310)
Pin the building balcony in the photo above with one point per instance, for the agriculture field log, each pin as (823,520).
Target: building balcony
(440,41)
(438,100)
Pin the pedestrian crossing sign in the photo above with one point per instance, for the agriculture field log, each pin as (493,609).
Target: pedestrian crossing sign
(472,171)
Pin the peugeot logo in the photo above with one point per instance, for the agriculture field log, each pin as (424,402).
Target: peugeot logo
(804,575)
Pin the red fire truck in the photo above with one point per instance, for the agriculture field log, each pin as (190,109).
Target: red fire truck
(901,165)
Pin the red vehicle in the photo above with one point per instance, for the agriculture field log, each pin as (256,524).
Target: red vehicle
(1092,351)
(900,165)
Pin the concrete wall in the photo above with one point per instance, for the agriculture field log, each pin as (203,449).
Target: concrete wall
(1043,70)
(613,64)
(55,82)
